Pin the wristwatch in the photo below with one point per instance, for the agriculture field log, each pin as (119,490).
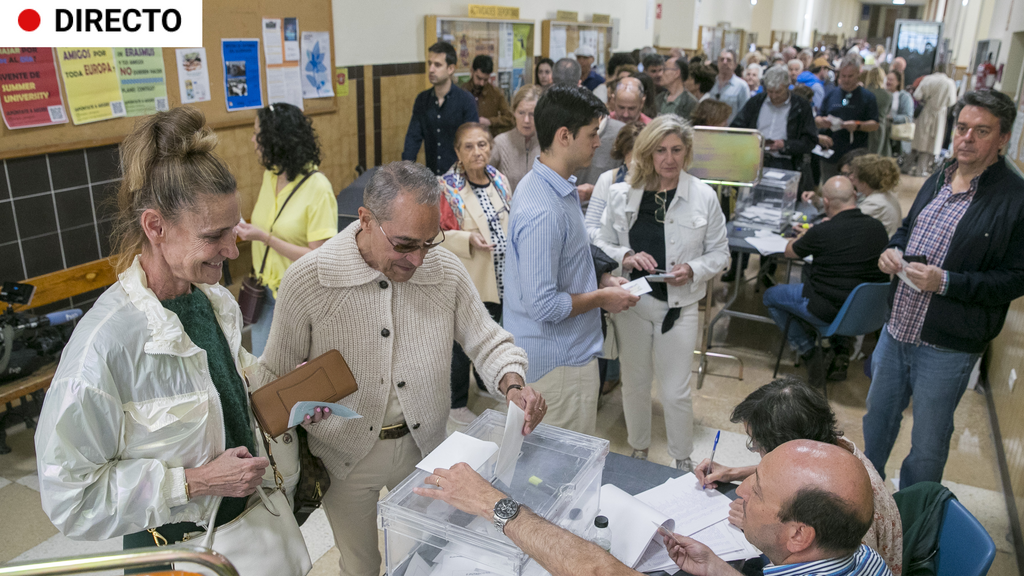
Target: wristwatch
(504,511)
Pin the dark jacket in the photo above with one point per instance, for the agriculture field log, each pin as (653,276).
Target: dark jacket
(921,509)
(801,134)
(985,261)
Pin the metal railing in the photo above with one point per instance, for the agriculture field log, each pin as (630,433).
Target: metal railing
(138,558)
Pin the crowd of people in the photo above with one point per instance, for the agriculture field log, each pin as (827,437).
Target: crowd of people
(545,208)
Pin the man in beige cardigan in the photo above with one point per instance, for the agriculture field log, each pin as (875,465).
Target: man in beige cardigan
(382,294)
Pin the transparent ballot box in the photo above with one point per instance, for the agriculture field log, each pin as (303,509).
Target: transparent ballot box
(558,476)
(770,203)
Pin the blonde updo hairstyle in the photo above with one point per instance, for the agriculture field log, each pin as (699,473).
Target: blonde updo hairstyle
(167,163)
(880,173)
(642,174)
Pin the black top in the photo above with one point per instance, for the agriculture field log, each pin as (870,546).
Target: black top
(845,250)
(857,105)
(648,235)
(434,126)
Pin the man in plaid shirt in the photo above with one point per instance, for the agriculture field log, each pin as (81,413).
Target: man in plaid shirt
(962,247)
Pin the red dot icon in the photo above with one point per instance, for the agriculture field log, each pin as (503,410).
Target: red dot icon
(28,20)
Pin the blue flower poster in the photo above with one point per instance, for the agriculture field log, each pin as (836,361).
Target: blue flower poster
(242,86)
(316,65)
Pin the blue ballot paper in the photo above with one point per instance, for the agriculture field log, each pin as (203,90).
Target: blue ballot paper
(303,409)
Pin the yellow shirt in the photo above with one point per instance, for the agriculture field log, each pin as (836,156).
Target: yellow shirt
(311,215)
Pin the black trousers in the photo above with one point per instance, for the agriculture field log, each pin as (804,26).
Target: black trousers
(461,365)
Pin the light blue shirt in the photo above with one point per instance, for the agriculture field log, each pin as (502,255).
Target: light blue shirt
(865,562)
(735,93)
(548,260)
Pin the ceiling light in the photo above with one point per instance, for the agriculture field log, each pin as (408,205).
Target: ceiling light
(965,2)
(855,28)
(840,24)
(899,1)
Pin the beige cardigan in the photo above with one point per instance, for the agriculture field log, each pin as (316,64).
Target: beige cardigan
(394,336)
(479,263)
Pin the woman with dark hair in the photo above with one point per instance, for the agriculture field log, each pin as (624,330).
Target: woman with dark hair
(543,72)
(296,210)
(787,409)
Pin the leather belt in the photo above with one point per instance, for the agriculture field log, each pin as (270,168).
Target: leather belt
(394,432)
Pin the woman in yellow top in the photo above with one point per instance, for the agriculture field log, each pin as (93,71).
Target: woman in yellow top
(287,147)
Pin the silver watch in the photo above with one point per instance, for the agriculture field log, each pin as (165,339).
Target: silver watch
(504,511)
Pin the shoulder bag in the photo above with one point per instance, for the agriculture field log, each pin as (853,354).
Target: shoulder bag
(903,132)
(253,292)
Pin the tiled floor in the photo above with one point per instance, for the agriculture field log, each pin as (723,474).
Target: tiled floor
(971,472)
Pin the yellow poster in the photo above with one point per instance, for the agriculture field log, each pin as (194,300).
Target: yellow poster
(91,84)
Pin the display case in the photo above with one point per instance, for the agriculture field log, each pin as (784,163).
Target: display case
(771,202)
(558,476)
(559,39)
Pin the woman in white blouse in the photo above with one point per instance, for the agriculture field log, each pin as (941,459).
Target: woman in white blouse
(663,221)
(875,178)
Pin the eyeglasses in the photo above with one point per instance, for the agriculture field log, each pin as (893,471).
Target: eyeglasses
(660,197)
(406,248)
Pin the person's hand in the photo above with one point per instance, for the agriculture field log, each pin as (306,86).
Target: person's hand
(609,281)
(234,474)
(824,141)
(639,261)
(320,413)
(890,262)
(736,514)
(485,121)
(463,488)
(822,123)
(618,299)
(850,125)
(476,240)
(529,399)
(682,274)
(248,232)
(808,196)
(925,276)
(693,557)
(719,473)
(777,145)
(585,190)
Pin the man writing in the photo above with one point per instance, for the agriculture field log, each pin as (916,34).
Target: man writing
(675,99)
(856,111)
(438,112)
(729,87)
(490,101)
(552,295)
(806,507)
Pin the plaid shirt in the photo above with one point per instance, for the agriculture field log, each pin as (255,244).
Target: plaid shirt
(930,237)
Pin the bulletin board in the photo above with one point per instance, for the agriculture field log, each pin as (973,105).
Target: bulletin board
(221,19)
(508,42)
(713,39)
(560,38)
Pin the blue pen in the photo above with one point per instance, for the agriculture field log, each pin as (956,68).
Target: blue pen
(711,463)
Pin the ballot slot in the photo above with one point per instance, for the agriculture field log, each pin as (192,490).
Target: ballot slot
(557,474)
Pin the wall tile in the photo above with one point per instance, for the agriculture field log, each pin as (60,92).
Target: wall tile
(28,175)
(35,215)
(8,233)
(67,169)
(5,193)
(42,255)
(10,263)
(103,163)
(74,207)
(80,245)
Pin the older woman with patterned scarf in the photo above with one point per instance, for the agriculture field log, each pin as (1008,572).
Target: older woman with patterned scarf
(478,198)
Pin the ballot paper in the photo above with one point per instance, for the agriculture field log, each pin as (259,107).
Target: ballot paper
(511,444)
(638,287)
(457,448)
(822,152)
(902,275)
(303,409)
(766,245)
(633,524)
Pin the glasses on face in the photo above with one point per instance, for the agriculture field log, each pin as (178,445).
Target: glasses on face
(406,248)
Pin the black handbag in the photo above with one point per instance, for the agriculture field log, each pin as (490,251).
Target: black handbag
(314,480)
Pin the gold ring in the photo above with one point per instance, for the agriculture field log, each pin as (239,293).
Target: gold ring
(438,482)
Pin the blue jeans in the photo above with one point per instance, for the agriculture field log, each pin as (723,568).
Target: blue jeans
(787,302)
(261,329)
(936,378)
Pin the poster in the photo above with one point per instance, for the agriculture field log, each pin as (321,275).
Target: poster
(29,89)
(316,65)
(518,79)
(193,75)
(242,88)
(520,52)
(558,41)
(505,83)
(507,39)
(291,39)
(341,81)
(90,79)
(273,42)
(143,86)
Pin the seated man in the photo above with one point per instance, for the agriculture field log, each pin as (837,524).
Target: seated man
(845,248)
(490,100)
(807,507)
(787,409)
(629,101)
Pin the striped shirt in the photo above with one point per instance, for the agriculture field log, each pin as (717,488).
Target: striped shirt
(549,260)
(864,562)
(931,236)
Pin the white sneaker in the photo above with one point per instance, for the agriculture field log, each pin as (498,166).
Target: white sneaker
(461,416)
(639,454)
(686,465)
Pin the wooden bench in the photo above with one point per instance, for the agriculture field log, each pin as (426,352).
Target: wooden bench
(50,288)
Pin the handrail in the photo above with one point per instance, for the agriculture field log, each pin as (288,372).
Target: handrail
(138,558)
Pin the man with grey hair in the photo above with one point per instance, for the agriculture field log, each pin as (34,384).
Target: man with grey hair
(795,67)
(629,101)
(847,115)
(391,301)
(729,87)
(567,72)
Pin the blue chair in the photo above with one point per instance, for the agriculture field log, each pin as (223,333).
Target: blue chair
(866,309)
(965,548)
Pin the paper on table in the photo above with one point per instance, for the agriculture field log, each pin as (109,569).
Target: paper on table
(902,275)
(682,500)
(632,524)
(773,244)
(638,287)
(457,448)
(303,409)
(747,550)
(775,174)
(511,444)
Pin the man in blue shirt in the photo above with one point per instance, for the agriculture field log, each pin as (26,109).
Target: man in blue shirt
(438,112)
(585,55)
(552,297)
(857,113)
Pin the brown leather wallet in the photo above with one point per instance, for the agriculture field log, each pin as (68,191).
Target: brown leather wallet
(326,378)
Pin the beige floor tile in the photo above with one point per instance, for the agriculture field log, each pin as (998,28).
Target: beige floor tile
(25,524)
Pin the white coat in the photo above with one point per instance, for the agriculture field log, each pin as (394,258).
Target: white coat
(695,233)
(132,405)
(938,92)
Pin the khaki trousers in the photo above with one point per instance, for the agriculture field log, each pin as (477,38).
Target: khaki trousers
(571,394)
(351,504)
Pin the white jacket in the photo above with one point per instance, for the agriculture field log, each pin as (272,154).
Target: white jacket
(695,233)
(131,406)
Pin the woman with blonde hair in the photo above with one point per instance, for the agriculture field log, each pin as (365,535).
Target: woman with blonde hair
(878,143)
(668,224)
(875,178)
(711,113)
(514,150)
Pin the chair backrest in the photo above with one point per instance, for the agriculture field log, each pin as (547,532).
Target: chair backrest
(866,309)
(965,548)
